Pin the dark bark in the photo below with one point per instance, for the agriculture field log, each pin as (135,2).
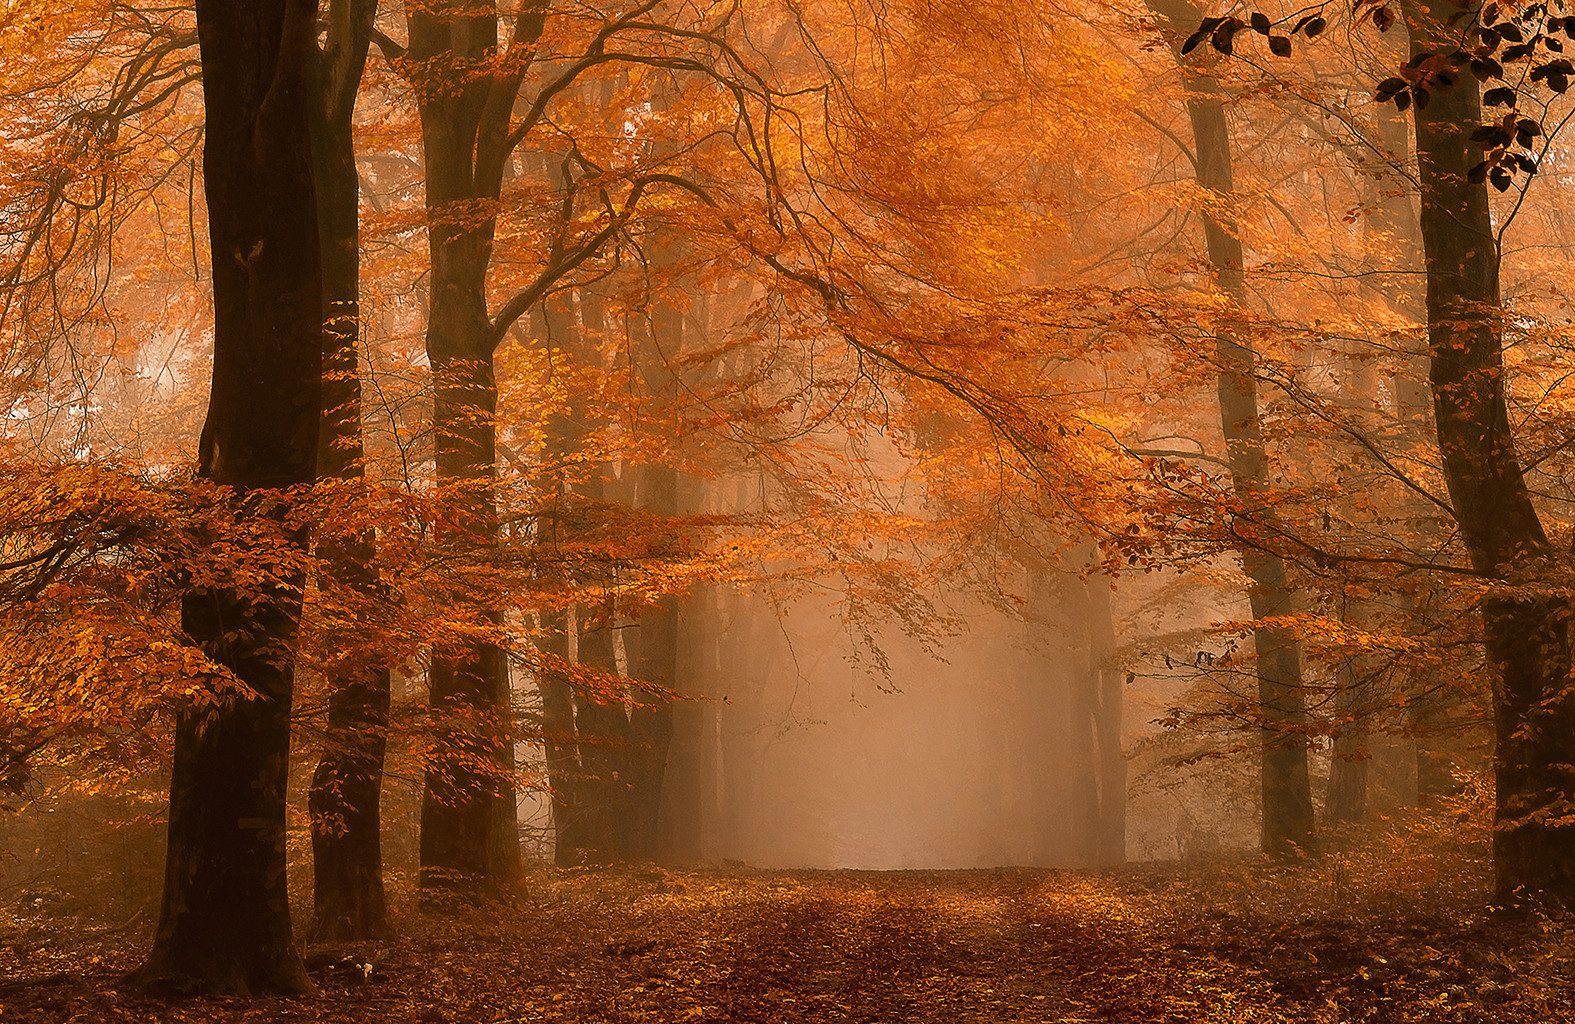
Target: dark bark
(553,685)
(469,832)
(564,772)
(224,923)
(1526,627)
(1429,709)
(469,828)
(1075,711)
(654,660)
(1348,766)
(606,727)
(690,797)
(1286,793)
(346,790)
(582,758)
(653,643)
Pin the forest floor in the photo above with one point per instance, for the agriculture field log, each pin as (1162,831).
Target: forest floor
(1232,942)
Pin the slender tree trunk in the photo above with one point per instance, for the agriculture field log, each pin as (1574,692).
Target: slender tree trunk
(346,791)
(565,775)
(224,923)
(1107,723)
(1394,215)
(1526,626)
(606,727)
(586,732)
(653,642)
(687,818)
(1062,699)
(655,661)
(1288,822)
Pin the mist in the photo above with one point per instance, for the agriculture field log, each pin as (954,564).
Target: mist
(671,510)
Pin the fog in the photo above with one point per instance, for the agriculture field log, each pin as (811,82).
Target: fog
(612,486)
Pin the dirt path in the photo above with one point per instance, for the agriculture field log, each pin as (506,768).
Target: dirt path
(866,948)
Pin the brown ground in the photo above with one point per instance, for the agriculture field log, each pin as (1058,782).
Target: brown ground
(1236,943)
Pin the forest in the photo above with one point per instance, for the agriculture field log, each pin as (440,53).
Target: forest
(787,511)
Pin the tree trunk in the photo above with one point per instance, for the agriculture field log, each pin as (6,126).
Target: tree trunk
(655,661)
(654,649)
(1347,797)
(469,831)
(469,827)
(1526,627)
(687,820)
(224,923)
(1286,792)
(346,791)
(1112,848)
(1428,710)
(565,775)
(585,732)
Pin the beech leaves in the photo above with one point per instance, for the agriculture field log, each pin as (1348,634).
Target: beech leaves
(1511,52)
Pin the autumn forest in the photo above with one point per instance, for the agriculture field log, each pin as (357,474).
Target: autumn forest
(803,511)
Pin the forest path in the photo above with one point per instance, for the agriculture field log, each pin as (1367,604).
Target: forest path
(1239,946)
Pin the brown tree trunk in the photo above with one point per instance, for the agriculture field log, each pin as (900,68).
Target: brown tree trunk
(654,659)
(469,831)
(688,815)
(1346,802)
(565,775)
(1526,626)
(469,827)
(560,743)
(653,642)
(1428,710)
(1108,704)
(1286,789)
(224,923)
(346,791)
(587,736)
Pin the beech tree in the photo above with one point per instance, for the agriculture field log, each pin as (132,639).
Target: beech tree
(1286,788)
(346,791)
(224,922)
(1526,619)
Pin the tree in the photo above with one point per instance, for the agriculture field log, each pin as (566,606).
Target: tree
(346,788)
(1288,822)
(224,922)
(1526,618)
(1526,623)
(483,84)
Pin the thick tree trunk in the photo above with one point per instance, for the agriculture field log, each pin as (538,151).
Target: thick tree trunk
(1286,792)
(1526,627)
(224,923)
(469,828)
(346,790)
